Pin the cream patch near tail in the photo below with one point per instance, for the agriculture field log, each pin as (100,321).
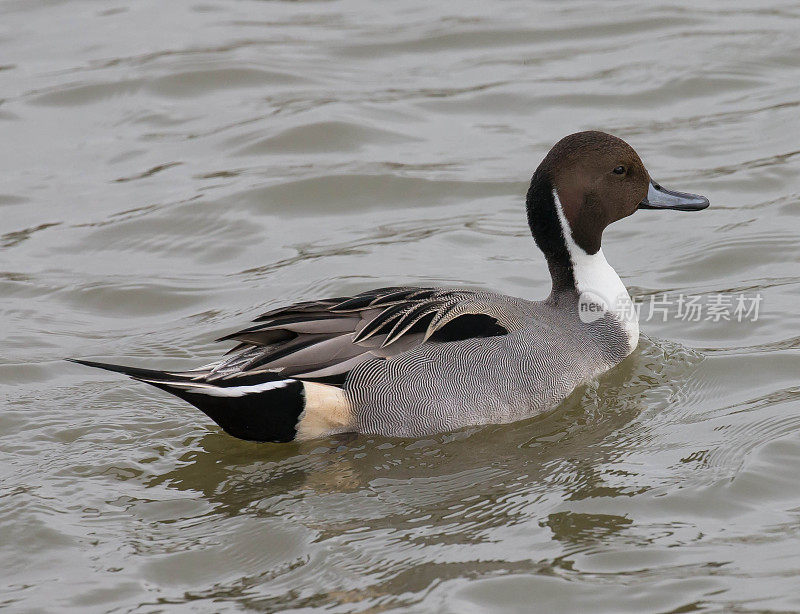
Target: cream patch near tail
(326,411)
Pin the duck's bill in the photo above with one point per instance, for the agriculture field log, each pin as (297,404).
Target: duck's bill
(659,197)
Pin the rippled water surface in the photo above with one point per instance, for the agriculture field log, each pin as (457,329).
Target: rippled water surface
(171,169)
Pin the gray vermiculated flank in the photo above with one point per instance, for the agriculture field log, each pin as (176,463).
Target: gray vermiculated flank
(442,386)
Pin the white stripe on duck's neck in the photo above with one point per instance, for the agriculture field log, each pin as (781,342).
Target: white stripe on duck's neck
(597,282)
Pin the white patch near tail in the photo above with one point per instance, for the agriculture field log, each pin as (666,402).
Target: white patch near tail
(327,411)
(231,391)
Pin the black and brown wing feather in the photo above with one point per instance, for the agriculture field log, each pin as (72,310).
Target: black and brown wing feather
(324,340)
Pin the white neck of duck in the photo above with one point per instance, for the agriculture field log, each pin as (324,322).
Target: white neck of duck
(598,284)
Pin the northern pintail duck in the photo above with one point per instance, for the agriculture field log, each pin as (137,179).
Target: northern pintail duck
(406,361)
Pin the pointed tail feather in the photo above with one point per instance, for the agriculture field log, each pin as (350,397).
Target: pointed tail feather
(256,407)
(134,372)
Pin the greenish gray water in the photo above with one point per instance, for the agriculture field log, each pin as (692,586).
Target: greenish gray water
(171,169)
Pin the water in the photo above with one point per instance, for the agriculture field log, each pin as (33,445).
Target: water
(171,169)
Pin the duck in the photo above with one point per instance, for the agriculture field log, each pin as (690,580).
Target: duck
(414,361)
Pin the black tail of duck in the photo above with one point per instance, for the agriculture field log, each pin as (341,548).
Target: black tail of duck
(262,407)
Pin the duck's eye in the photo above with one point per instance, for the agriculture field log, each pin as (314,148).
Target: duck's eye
(620,170)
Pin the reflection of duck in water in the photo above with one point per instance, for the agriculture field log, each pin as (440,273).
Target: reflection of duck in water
(411,361)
